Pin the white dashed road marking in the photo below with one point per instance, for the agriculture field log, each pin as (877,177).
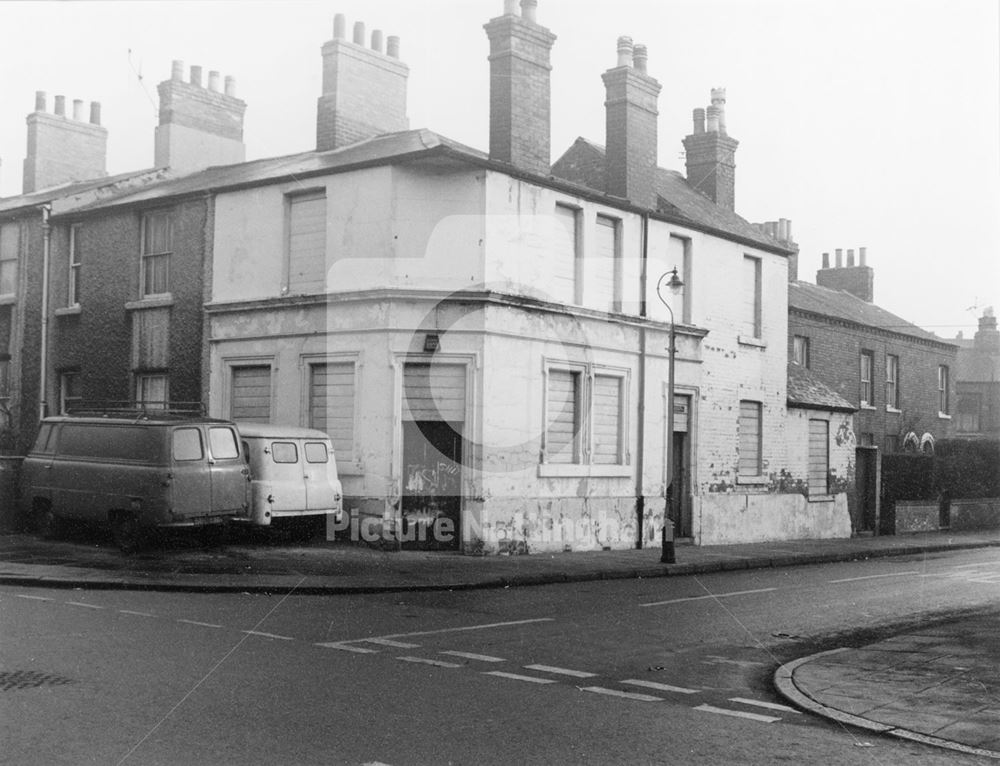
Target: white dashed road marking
(80,603)
(200,624)
(137,614)
(519,677)
(737,714)
(874,577)
(625,695)
(560,671)
(387,642)
(768,705)
(33,598)
(348,647)
(659,686)
(267,635)
(710,595)
(469,627)
(427,661)
(473,656)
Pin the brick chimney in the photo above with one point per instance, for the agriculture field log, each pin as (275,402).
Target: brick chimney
(520,111)
(199,126)
(856,279)
(711,154)
(987,337)
(630,126)
(781,231)
(63,149)
(364,88)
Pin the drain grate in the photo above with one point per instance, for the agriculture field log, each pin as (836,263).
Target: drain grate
(11,680)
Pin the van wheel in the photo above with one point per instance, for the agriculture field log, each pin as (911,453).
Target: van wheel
(126,532)
(46,522)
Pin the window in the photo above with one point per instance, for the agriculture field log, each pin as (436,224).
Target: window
(69,391)
(819,457)
(943,389)
(284,452)
(867,365)
(751,319)
(800,350)
(564,263)
(10,247)
(250,393)
(307,243)
(157,244)
(151,390)
(331,404)
(604,270)
(316,452)
(187,444)
(892,382)
(585,416)
(750,432)
(75,262)
(969,412)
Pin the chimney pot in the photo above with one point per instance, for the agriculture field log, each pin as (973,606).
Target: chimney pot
(625,49)
(95,112)
(196,75)
(640,57)
(61,106)
(231,86)
(699,121)
(826,260)
(392,46)
(529,10)
(78,109)
(377,40)
(40,99)
(840,257)
(359,33)
(177,70)
(339,26)
(713,118)
(786,228)
(850,257)
(862,256)
(213,81)
(510,7)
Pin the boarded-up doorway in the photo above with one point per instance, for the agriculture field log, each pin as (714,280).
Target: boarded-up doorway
(679,492)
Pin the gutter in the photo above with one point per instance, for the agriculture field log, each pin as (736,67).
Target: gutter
(640,458)
(44,345)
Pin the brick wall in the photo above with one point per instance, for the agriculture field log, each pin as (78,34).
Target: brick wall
(631,135)
(61,149)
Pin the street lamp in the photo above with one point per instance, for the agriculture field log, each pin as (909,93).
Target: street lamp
(672,281)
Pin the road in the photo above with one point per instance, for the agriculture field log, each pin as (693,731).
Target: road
(671,670)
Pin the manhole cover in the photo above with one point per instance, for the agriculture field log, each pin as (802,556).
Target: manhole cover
(29,679)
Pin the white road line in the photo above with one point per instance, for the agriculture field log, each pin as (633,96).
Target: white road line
(768,705)
(200,624)
(427,661)
(267,635)
(737,714)
(659,686)
(990,580)
(874,577)
(137,614)
(33,598)
(711,595)
(387,642)
(560,671)
(80,603)
(518,677)
(469,627)
(348,647)
(473,656)
(626,695)
(972,566)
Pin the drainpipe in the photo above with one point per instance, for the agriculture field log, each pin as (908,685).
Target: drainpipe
(44,350)
(640,460)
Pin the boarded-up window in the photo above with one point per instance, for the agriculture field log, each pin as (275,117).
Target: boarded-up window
(750,319)
(10,245)
(819,457)
(607,408)
(563,256)
(602,269)
(251,394)
(434,392)
(307,243)
(331,404)
(562,433)
(677,258)
(750,439)
(150,338)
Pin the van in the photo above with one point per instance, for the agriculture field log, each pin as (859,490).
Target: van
(293,473)
(135,473)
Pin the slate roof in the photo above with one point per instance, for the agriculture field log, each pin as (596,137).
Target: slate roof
(806,390)
(584,162)
(45,196)
(838,304)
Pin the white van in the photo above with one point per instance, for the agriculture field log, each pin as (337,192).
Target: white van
(293,473)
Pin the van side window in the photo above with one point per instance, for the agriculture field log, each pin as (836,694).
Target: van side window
(223,442)
(284,452)
(187,444)
(316,453)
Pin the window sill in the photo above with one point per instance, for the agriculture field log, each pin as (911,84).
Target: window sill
(758,480)
(67,311)
(893,410)
(944,416)
(576,470)
(866,406)
(746,340)
(153,302)
(821,498)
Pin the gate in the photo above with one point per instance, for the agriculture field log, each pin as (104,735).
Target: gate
(867,481)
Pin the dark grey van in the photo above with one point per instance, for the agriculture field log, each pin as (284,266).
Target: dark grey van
(135,474)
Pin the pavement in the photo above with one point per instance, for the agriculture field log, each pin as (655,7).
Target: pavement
(939,685)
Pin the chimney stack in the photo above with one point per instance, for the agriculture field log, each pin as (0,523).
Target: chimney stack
(858,280)
(711,154)
(198,126)
(781,230)
(63,149)
(987,338)
(520,91)
(631,126)
(364,89)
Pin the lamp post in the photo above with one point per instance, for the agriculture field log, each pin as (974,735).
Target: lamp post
(672,281)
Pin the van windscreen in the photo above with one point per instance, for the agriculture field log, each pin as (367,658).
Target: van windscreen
(223,441)
(316,453)
(110,442)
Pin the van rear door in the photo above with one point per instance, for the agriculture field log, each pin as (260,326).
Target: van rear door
(320,473)
(230,474)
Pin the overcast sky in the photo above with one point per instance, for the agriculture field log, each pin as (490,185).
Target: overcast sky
(868,123)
